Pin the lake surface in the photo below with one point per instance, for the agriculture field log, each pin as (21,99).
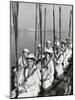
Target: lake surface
(26,39)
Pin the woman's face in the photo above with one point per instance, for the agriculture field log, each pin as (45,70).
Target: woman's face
(63,47)
(47,57)
(47,45)
(39,65)
(30,63)
(25,54)
(39,49)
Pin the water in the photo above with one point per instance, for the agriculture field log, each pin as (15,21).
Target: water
(26,39)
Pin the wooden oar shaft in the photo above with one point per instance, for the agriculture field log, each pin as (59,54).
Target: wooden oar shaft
(60,24)
(40,23)
(44,26)
(35,30)
(53,26)
(15,9)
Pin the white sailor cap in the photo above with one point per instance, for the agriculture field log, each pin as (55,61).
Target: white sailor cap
(49,42)
(48,51)
(25,50)
(31,56)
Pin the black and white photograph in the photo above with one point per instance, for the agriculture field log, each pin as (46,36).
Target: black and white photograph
(41,49)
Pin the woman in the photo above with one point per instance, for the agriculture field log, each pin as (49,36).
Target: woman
(31,85)
(48,69)
(19,75)
(22,64)
(58,62)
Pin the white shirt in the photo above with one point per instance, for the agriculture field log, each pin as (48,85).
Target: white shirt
(20,74)
(67,55)
(22,61)
(48,75)
(32,85)
(59,66)
(57,43)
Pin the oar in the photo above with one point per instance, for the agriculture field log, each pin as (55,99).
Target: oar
(15,10)
(40,23)
(35,30)
(60,24)
(44,26)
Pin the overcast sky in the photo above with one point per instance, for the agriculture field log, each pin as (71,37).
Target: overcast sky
(26,18)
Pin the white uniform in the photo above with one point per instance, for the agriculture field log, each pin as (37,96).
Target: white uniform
(32,85)
(20,76)
(67,55)
(22,61)
(48,75)
(57,43)
(39,65)
(22,64)
(59,66)
(70,52)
